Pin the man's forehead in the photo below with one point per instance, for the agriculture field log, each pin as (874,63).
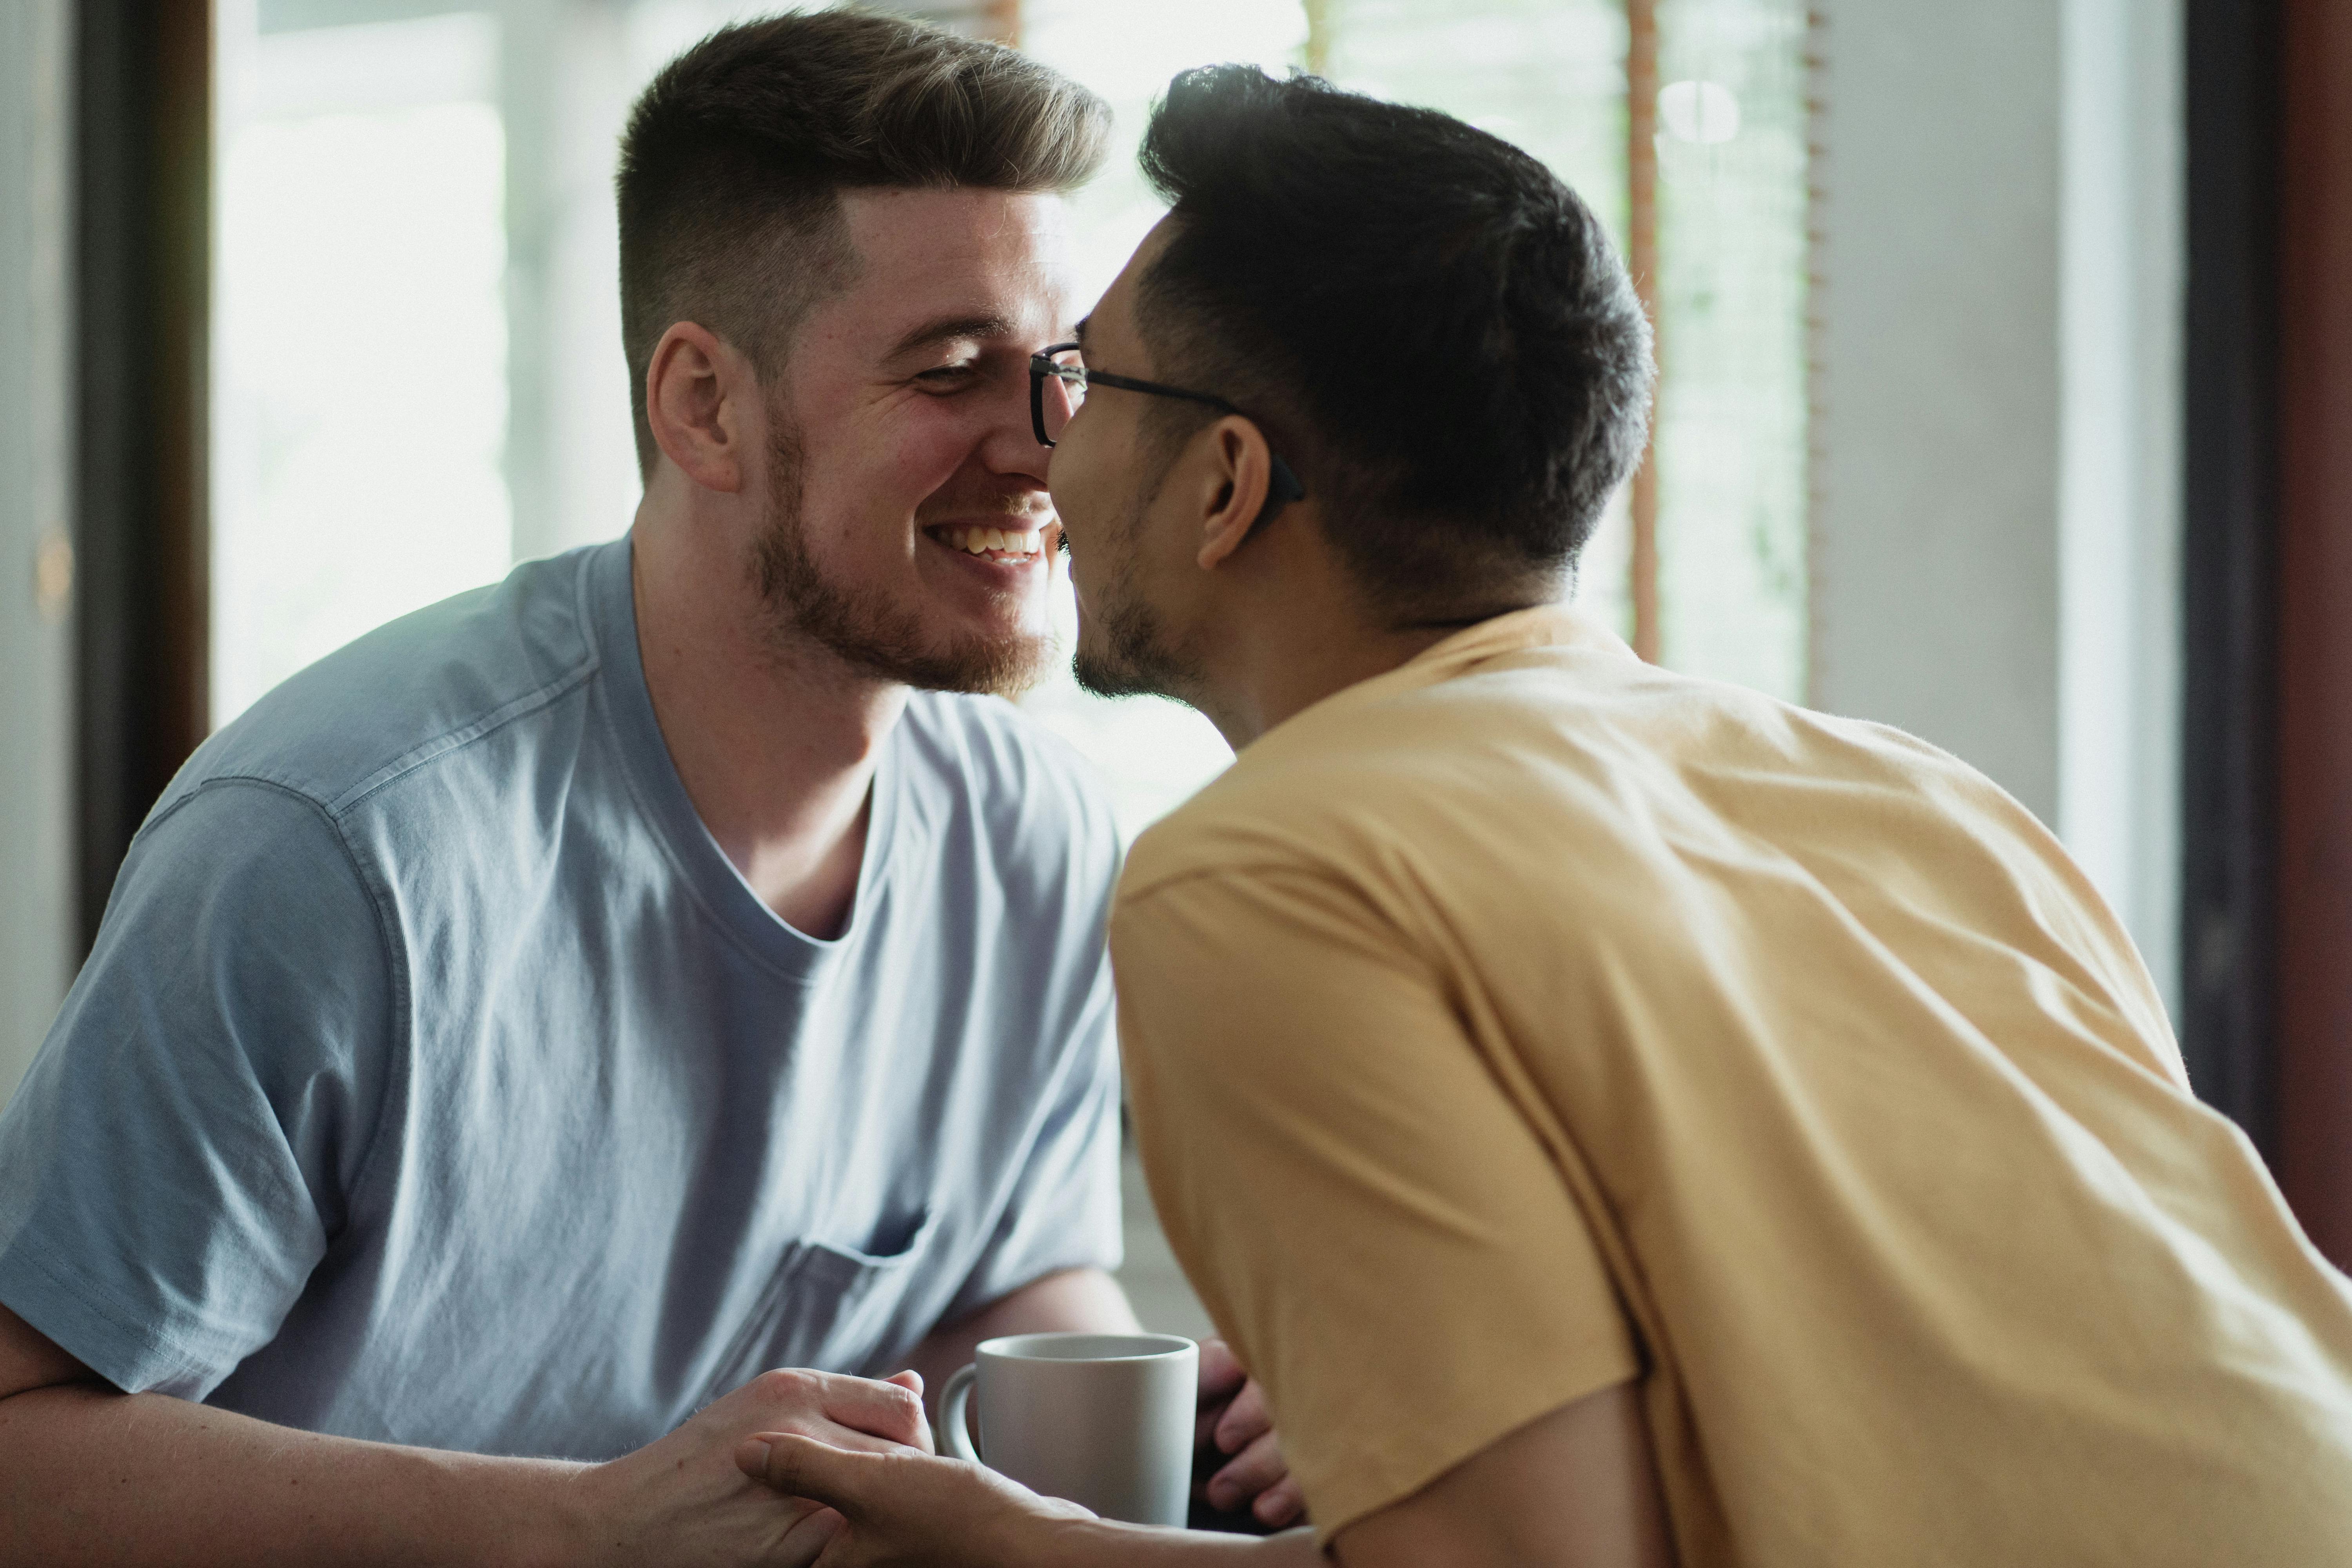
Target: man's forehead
(925,254)
(955,215)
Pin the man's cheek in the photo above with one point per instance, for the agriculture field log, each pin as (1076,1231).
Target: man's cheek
(1085,571)
(1079,497)
(928,447)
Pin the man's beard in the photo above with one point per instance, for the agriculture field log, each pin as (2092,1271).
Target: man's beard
(861,627)
(1132,656)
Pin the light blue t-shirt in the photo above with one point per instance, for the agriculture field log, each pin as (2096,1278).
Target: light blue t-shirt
(436,1080)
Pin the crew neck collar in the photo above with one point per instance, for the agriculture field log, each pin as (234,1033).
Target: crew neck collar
(609,608)
(1517,631)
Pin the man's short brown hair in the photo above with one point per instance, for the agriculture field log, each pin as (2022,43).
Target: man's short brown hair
(735,157)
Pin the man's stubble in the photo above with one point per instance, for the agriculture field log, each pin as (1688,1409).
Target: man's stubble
(861,627)
(1133,656)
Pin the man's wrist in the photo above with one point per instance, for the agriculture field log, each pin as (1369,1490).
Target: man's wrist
(576,1531)
(1070,1543)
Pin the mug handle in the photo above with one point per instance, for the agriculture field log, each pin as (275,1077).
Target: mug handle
(955,1433)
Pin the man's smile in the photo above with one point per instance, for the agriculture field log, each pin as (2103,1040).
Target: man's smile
(1012,546)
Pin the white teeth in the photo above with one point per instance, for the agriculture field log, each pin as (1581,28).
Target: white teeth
(980,541)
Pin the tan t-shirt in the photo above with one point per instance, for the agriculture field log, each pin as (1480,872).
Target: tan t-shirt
(1529,1018)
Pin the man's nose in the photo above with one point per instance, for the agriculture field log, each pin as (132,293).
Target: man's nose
(1009,444)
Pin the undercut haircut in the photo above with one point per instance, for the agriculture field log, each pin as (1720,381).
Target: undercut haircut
(736,155)
(1431,327)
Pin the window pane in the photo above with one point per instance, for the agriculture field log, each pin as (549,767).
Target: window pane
(361,393)
(1732,406)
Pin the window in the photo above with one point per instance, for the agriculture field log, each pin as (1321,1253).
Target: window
(1732,297)
(360,377)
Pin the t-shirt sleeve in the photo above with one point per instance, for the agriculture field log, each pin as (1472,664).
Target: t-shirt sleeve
(1368,1218)
(177,1159)
(1063,1209)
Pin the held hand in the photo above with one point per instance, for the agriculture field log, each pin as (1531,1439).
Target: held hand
(903,1508)
(1234,1422)
(682,1500)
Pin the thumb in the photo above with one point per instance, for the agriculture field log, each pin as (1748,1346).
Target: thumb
(804,1467)
(912,1381)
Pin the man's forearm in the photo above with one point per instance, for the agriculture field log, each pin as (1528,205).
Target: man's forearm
(89,1475)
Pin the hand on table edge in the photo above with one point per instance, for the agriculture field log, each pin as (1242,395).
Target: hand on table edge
(905,1509)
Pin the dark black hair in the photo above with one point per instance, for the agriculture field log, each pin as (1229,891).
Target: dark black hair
(734,158)
(1431,325)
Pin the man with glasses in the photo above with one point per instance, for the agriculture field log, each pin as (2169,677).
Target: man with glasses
(525,1031)
(1622,1119)
(1058,379)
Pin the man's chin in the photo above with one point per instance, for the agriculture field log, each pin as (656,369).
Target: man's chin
(1108,675)
(988,667)
(1123,652)
(895,645)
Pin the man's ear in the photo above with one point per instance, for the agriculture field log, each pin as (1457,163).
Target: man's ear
(698,394)
(1240,474)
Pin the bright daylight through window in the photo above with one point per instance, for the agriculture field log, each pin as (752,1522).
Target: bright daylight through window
(365,454)
(361,384)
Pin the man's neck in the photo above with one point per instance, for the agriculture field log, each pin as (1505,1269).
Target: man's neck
(1302,633)
(775,739)
(1281,667)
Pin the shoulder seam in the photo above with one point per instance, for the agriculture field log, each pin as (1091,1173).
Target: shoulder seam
(400,1002)
(464,735)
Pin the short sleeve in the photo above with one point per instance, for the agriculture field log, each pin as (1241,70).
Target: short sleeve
(1366,1216)
(178,1157)
(1064,1211)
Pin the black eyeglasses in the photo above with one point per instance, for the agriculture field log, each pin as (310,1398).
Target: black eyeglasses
(1057,386)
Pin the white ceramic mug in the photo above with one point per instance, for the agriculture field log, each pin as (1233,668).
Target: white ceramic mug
(1102,1420)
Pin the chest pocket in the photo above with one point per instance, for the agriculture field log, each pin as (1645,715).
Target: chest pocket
(834,1308)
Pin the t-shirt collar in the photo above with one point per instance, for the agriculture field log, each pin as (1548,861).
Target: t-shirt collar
(1499,636)
(611,610)
(1544,626)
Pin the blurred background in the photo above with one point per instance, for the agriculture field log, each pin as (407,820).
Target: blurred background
(2007,359)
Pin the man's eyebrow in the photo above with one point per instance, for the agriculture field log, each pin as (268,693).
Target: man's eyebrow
(1079,332)
(946,329)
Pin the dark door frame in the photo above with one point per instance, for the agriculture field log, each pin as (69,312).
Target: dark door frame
(2313,899)
(2267,786)
(142,195)
(2228,562)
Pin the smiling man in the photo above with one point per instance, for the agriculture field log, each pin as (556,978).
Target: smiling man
(527,1026)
